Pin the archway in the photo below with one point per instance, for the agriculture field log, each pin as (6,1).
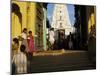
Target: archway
(16,20)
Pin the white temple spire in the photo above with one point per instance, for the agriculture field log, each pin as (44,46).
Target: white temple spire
(60,19)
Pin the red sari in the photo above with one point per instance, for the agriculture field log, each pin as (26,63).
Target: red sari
(31,44)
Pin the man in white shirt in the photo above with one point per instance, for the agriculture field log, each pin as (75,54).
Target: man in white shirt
(24,38)
(51,37)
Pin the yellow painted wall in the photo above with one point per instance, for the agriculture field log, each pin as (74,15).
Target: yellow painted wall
(28,18)
(91,20)
(16,26)
(32,17)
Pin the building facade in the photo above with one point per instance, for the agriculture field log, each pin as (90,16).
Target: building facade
(39,27)
(30,15)
(23,17)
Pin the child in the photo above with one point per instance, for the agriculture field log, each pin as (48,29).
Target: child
(15,46)
(20,60)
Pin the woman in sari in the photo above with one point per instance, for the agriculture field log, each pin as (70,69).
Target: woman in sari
(31,42)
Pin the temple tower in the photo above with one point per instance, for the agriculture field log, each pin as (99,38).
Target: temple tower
(60,20)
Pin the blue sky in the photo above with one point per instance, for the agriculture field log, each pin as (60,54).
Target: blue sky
(70,10)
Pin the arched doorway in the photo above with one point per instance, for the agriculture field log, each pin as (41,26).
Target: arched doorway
(16,20)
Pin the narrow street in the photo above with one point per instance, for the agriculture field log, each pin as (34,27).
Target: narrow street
(60,61)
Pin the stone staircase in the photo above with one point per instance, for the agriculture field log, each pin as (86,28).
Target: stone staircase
(68,61)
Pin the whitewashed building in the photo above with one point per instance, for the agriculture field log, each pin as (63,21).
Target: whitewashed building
(60,20)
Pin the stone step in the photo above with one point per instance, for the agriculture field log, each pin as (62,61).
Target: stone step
(61,58)
(55,64)
(62,68)
(58,61)
(65,62)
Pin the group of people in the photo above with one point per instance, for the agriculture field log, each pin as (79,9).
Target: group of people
(67,43)
(22,53)
(70,42)
(28,41)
